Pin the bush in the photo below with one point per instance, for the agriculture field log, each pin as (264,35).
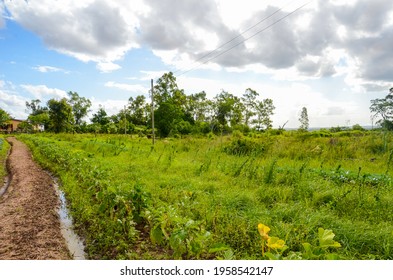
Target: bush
(243,146)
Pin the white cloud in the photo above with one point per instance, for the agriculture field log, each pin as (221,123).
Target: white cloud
(2,14)
(89,30)
(11,102)
(107,67)
(110,106)
(11,99)
(43,92)
(179,34)
(47,69)
(128,87)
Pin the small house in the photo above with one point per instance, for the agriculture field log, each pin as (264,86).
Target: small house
(11,126)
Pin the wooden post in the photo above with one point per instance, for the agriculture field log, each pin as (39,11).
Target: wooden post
(125,121)
(152,111)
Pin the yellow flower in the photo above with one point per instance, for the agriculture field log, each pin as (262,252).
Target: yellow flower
(275,243)
(263,231)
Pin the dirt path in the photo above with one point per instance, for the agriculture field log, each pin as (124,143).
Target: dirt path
(29,222)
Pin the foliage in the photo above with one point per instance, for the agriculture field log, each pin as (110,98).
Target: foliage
(80,107)
(4,117)
(61,118)
(201,198)
(304,122)
(4,147)
(383,108)
(264,110)
(273,248)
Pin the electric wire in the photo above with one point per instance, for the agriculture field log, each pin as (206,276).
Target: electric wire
(234,38)
(244,40)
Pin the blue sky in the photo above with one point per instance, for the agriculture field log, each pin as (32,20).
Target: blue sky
(330,56)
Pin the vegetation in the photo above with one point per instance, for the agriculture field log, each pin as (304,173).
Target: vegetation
(383,108)
(4,117)
(175,113)
(304,122)
(4,147)
(325,195)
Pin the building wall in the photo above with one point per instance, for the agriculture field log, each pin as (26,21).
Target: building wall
(12,126)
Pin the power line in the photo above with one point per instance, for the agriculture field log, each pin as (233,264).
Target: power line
(234,38)
(244,40)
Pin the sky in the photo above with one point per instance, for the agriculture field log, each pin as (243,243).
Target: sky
(330,56)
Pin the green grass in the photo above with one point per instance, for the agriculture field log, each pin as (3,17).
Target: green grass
(4,147)
(199,198)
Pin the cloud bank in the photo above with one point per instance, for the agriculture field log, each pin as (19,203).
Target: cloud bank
(326,38)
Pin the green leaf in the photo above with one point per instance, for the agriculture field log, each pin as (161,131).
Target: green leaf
(218,247)
(326,237)
(156,235)
(273,257)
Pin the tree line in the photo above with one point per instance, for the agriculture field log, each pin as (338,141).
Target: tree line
(175,113)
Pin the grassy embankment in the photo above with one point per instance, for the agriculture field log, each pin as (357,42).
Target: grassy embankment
(4,147)
(203,198)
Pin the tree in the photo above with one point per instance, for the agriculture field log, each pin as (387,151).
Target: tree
(171,102)
(383,108)
(138,111)
(80,107)
(39,116)
(229,109)
(197,106)
(167,117)
(249,99)
(264,110)
(101,117)
(165,88)
(35,108)
(61,118)
(4,117)
(304,122)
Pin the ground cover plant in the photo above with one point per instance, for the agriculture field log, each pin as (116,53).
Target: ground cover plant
(322,195)
(4,147)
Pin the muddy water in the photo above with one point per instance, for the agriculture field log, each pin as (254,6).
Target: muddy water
(74,242)
(4,188)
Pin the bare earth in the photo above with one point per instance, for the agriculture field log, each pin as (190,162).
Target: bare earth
(29,222)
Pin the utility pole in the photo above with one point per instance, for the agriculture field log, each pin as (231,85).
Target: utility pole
(125,121)
(152,112)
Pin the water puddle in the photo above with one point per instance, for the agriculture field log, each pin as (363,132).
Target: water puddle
(74,242)
(4,188)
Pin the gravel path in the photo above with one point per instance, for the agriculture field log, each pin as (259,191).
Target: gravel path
(29,222)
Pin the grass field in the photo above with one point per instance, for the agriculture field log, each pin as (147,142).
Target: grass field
(323,195)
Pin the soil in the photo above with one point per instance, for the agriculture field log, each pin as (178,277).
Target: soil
(29,222)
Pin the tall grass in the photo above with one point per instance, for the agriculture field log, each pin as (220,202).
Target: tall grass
(4,147)
(203,198)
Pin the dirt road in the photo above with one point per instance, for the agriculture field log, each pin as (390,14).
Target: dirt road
(29,222)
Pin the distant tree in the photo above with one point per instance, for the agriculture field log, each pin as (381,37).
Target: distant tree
(170,112)
(249,99)
(197,106)
(80,107)
(358,127)
(228,109)
(38,115)
(165,88)
(4,117)
(34,108)
(61,118)
(383,108)
(304,122)
(137,110)
(167,117)
(264,111)
(101,117)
